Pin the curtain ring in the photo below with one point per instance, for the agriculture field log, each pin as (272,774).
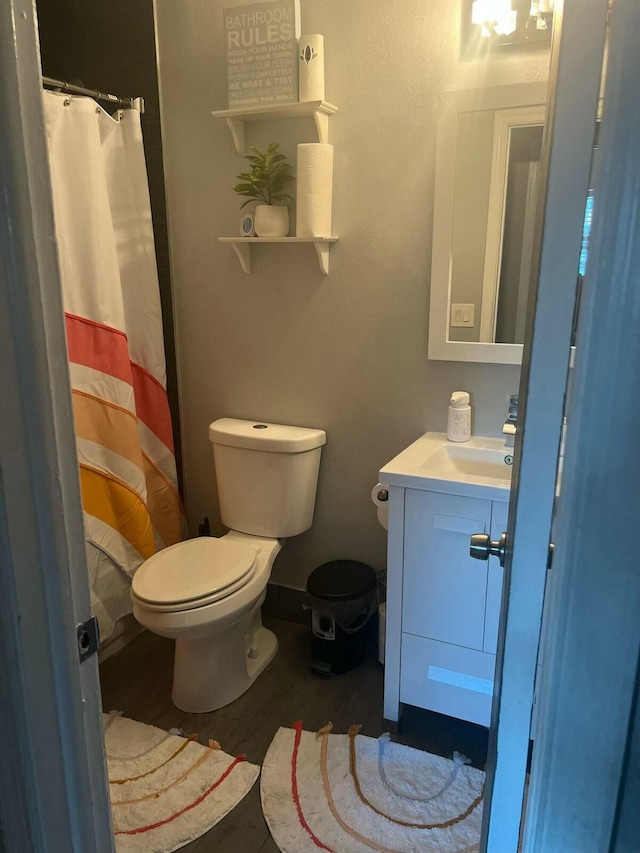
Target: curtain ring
(98,109)
(66,102)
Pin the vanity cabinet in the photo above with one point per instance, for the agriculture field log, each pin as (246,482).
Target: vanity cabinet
(443,606)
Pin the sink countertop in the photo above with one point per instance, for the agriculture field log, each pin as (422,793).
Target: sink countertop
(474,468)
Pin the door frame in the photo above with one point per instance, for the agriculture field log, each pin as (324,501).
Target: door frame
(52,774)
(585,775)
(565,168)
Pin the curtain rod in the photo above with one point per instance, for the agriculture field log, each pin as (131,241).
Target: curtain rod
(72,89)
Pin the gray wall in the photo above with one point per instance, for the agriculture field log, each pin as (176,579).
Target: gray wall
(347,352)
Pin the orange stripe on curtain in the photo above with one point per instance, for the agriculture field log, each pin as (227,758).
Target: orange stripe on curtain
(101,347)
(119,506)
(165,506)
(108,425)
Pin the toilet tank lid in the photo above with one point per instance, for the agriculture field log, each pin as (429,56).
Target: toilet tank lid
(260,435)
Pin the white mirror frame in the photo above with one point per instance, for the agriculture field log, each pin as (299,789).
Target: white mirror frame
(450,105)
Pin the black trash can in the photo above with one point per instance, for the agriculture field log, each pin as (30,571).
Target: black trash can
(343,598)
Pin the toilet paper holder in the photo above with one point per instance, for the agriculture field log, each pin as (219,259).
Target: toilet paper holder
(380,495)
(380,498)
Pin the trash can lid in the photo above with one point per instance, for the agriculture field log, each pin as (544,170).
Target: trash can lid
(341,580)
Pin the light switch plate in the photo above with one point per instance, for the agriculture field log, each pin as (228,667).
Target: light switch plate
(463,314)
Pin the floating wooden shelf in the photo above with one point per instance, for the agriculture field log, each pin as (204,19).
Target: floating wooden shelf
(236,118)
(242,248)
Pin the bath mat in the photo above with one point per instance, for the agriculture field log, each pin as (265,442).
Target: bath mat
(167,789)
(354,794)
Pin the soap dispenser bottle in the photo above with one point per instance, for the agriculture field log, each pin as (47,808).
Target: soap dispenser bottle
(459,420)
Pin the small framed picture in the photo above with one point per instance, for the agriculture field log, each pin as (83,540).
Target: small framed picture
(246,225)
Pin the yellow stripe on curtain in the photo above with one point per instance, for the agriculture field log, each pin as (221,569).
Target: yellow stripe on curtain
(165,506)
(119,506)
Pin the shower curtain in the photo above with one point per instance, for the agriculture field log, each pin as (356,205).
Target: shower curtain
(115,344)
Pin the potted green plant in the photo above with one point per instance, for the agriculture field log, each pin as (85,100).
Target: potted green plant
(267,182)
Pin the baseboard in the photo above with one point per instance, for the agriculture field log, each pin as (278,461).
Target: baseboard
(283,602)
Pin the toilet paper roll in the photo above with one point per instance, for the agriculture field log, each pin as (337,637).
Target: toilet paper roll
(311,68)
(315,188)
(378,493)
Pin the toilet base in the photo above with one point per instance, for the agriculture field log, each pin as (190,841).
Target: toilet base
(210,672)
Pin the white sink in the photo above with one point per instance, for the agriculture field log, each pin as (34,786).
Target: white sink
(455,460)
(480,467)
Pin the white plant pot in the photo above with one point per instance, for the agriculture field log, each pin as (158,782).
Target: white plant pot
(271,220)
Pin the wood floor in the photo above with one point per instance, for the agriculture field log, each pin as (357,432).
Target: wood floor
(137,681)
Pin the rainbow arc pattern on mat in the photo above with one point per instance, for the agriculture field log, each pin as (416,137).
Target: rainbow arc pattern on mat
(325,804)
(166,788)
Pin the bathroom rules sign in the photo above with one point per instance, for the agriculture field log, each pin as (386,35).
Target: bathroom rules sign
(262,52)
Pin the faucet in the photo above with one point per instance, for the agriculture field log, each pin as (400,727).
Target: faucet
(510,425)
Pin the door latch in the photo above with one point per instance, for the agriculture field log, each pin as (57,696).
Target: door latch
(88,636)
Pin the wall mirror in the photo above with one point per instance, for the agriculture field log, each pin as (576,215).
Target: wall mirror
(505,25)
(487,164)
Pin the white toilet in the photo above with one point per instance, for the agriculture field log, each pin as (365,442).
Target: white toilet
(206,593)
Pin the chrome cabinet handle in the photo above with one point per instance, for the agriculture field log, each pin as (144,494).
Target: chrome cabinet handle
(481,547)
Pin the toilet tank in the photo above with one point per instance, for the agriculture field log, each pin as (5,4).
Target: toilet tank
(266,475)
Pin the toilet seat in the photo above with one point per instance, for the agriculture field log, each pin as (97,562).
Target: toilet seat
(194,573)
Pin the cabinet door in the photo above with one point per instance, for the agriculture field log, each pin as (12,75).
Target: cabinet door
(499,512)
(444,590)
(448,679)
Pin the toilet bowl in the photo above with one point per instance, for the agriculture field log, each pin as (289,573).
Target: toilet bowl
(221,644)
(206,593)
